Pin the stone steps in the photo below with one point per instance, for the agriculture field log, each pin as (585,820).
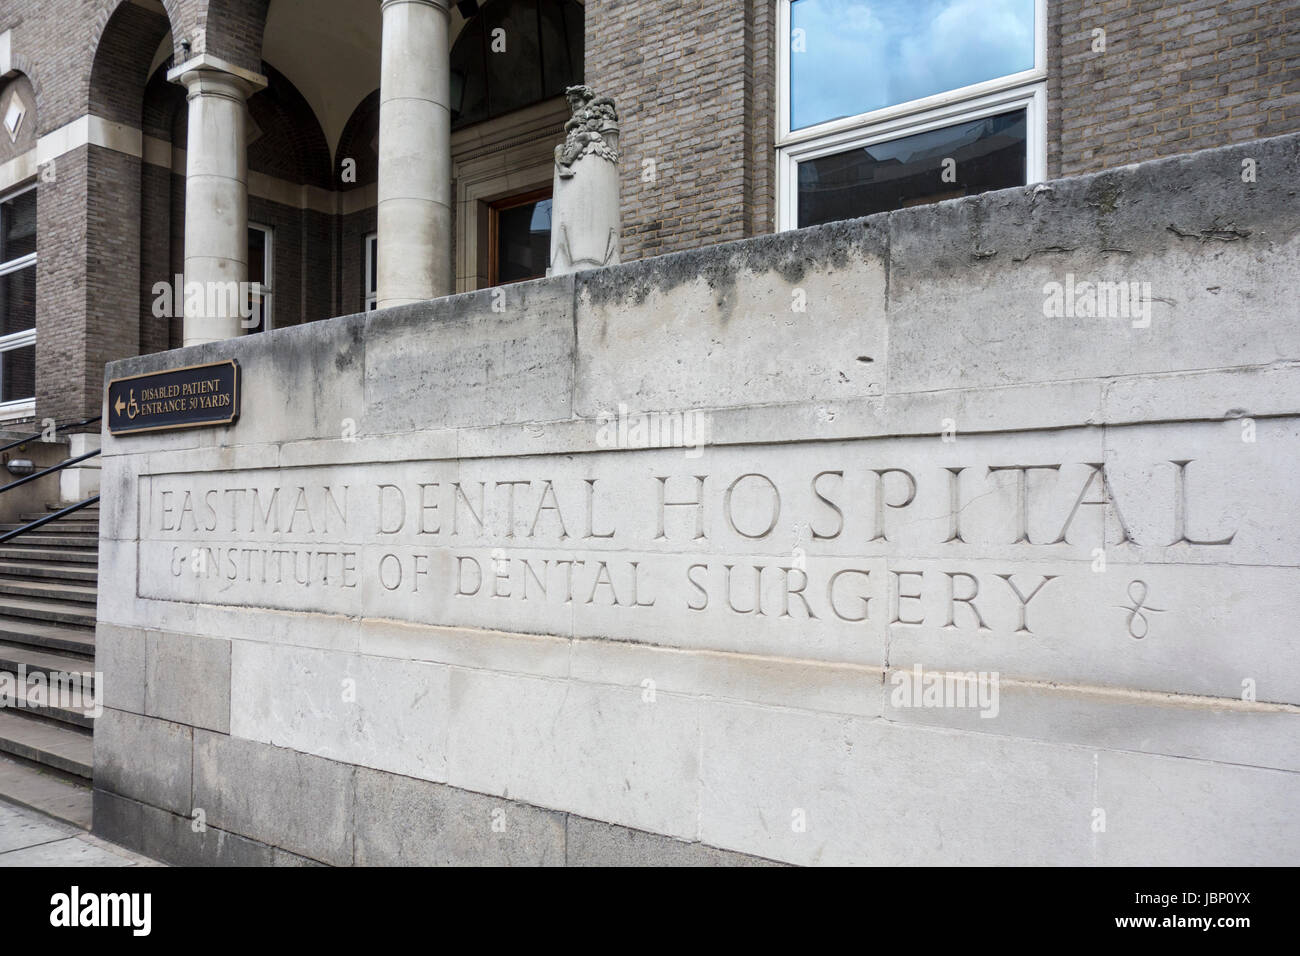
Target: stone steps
(63,525)
(42,538)
(51,637)
(71,573)
(48,611)
(43,706)
(48,594)
(47,590)
(20,658)
(13,551)
(47,743)
(52,792)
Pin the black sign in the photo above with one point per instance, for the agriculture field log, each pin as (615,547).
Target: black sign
(188,397)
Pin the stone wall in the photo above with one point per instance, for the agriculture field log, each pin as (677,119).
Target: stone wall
(427,602)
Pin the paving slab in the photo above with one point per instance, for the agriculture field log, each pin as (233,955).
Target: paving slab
(28,838)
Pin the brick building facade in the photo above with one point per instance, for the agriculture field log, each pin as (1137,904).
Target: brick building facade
(701,87)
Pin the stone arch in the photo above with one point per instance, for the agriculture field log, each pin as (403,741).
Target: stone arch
(358,142)
(19,91)
(544,56)
(287,140)
(24,66)
(164,114)
(119,69)
(232,29)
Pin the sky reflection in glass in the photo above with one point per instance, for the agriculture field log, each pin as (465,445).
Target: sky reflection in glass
(864,55)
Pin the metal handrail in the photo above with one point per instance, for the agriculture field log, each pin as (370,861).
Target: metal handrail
(48,471)
(52,516)
(59,428)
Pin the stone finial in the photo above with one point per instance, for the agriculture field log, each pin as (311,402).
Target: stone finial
(585,228)
(592,129)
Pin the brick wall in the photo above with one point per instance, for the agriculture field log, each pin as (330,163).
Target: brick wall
(1175,77)
(112,268)
(683,74)
(60,289)
(120,67)
(233,28)
(155,254)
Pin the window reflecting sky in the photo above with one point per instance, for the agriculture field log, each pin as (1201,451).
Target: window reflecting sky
(863,55)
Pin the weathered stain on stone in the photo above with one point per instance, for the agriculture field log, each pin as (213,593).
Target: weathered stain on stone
(1215,232)
(354,352)
(791,255)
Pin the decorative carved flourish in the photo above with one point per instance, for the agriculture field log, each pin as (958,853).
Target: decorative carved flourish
(564,252)
(594,118)
(1138,626)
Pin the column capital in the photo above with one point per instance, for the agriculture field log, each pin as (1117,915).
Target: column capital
(208,74)
(443,5)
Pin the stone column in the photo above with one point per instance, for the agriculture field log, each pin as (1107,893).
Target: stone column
(414,153)
(216,195)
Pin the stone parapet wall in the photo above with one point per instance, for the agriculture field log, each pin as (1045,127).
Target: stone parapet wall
(659,562)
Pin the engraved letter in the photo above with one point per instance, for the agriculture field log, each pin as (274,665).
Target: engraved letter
(1180,509)
(425,507)
(548,489)
(865,599)
(460,576)
(690,576)
(836,508)
(401,512)
(697,504)
(796,592)
(969,600)
(1024,601)
(1022,495)
(776,506)
(591,511)
(899,597)
(954,506)
(1107,498)
(880,497)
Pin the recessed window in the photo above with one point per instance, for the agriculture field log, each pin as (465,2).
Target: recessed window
(891,103)
(260,271)
(18,302)
(519,237)
(514,53)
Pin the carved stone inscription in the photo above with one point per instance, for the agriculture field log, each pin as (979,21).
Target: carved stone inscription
(816,550)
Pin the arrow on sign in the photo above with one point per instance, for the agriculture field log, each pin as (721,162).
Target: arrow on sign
(120,405)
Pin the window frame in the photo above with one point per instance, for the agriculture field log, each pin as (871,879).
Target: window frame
(1026,89)
(494,210)
(20,407)
(265,293)
(369,293)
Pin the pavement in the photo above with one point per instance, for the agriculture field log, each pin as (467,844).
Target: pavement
(28,838)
